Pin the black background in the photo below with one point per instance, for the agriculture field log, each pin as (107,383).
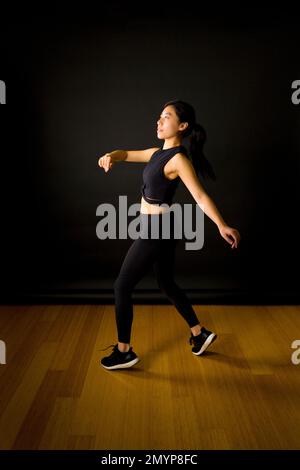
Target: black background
(81,82)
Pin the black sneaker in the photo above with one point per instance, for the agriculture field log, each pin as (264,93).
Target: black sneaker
(202,341)
(118,359)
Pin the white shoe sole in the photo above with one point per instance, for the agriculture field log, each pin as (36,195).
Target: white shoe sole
(205,345)
(123,366)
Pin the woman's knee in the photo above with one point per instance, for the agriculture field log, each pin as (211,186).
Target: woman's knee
(121,285)
(118,284)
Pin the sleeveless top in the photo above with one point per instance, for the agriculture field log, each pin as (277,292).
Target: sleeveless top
(156,188)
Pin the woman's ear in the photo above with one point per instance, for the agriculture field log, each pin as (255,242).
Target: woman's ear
(183,126)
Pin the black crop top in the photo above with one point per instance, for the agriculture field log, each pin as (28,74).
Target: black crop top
(156,188)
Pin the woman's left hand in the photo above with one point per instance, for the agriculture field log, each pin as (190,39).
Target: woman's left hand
(230,233)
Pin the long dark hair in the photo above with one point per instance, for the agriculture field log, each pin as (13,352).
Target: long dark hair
(197,137)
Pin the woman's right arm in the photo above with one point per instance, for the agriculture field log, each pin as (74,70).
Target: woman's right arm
(107,160)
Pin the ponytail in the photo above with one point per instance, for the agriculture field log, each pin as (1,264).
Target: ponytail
(197,139)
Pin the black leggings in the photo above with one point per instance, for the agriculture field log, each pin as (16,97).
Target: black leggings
(143,254)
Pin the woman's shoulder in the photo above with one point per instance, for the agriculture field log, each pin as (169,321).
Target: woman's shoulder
(180,159)
(182,149)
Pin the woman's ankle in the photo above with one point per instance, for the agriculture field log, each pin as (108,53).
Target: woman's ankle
(196,330)
(123,347)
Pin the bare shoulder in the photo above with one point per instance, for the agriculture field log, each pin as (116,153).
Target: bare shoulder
(185,170)
(180,162)
(181,158)
(140,155)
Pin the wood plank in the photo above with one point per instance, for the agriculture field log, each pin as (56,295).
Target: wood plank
(81,443)
(56,433)
(20,359)
(243,393)
(21,400)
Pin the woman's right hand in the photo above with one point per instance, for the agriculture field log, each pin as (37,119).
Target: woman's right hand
(106,162)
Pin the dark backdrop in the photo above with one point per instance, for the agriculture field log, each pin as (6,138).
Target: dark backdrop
(83,83)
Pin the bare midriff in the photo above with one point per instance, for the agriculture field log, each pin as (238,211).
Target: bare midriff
(147,208)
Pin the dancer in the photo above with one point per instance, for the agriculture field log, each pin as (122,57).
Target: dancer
(166,166)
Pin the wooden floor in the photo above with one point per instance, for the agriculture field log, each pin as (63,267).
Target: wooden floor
(243,393)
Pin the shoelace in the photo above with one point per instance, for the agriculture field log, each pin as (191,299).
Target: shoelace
(111,346)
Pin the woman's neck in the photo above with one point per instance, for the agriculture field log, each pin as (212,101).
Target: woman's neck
(171,144)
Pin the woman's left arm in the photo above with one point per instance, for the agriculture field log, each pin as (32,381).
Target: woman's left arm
(185,170)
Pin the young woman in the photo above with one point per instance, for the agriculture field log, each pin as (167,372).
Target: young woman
(166,166)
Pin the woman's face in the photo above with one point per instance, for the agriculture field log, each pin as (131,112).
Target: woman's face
(168,123)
